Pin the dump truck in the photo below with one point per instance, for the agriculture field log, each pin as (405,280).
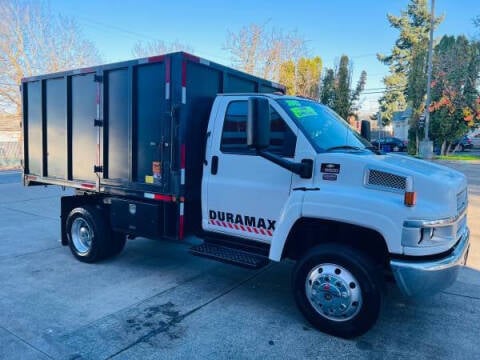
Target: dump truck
(177,147)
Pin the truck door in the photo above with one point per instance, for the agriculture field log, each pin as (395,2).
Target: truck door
(242,193)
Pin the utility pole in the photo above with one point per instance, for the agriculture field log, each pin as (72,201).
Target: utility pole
(426,146)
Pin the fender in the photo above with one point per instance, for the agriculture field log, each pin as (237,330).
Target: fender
(291,212)
(346,208)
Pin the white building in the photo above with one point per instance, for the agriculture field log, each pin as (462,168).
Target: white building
(400,123)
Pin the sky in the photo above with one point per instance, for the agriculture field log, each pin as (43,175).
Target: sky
(358,29)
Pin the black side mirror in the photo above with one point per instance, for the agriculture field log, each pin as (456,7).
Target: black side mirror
(365,129)
(258,123)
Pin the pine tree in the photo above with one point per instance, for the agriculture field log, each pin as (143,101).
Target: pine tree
(327,94)
(414,26)
(336,91)
(342,88)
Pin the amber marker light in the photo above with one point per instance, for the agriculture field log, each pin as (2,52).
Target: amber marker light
(410,198)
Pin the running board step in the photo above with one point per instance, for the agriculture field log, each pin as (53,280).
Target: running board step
(229,255)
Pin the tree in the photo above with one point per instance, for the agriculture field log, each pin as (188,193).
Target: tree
(414,26)
(156,47)
(327,93)
(302,78)
(260,51)
(455,96)
(341,103)
(415,94)
(288,76)
(336,91)
(309,71)
(33,41)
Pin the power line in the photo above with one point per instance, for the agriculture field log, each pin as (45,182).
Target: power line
(362,55)
(385,88)
(372,92)
(117,28)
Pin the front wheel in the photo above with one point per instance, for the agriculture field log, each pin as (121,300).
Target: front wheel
(338,289)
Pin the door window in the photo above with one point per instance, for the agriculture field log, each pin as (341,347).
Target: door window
(234,135)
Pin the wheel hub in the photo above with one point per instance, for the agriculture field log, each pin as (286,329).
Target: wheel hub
(81,236)
(333,292)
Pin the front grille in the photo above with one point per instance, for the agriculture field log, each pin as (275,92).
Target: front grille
(462,200)
(386,180)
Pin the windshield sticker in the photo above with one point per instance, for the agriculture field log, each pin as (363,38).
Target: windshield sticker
(303,111)
(293,103)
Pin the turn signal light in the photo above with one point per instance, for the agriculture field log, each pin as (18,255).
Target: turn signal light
(410,198)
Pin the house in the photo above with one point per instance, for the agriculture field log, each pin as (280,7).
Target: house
(400,122)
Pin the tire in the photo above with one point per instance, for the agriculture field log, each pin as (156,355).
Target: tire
(462,148)
(330,270)
(88,235)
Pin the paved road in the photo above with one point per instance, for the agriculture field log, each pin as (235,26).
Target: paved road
(8,177)
(155,301)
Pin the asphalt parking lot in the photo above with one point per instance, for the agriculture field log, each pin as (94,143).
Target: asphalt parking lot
(155,301)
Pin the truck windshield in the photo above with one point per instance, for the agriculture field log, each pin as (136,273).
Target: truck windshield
(325,129)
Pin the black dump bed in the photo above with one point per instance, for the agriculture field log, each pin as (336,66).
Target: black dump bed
(134,129)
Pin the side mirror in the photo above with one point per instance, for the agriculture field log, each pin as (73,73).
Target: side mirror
(365,130)
(258,123)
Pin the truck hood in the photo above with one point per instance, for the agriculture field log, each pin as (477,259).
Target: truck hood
(438,184)
(441,191)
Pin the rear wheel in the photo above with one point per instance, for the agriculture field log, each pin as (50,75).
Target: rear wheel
(338,290)
(88,237)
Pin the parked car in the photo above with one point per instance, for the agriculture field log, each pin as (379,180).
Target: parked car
(463,143)
(476,141)
(390,143)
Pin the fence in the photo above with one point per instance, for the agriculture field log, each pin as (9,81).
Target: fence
(11,155)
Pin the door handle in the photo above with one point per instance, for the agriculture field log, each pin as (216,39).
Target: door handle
(214,168)
(207,135)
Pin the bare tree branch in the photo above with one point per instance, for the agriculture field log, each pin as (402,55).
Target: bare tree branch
(33,41)
(259,51)
(157,47)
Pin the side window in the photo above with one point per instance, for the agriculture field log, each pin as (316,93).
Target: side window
(234,135)
(282,139)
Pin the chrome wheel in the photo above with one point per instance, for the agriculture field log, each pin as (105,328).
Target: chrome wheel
(333,292)
(82,235)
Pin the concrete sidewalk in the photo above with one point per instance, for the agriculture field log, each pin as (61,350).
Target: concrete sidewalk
(155,301)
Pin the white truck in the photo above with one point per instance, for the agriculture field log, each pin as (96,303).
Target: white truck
(176,145)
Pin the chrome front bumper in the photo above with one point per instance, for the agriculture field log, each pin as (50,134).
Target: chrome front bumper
(428,277)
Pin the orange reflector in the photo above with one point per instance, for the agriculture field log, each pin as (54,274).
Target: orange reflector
(410,198)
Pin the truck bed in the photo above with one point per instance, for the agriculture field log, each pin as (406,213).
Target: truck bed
(134,129)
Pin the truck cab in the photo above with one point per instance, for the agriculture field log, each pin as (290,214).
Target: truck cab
(295,177)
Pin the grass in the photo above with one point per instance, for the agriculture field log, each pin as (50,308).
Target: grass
(461,157)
